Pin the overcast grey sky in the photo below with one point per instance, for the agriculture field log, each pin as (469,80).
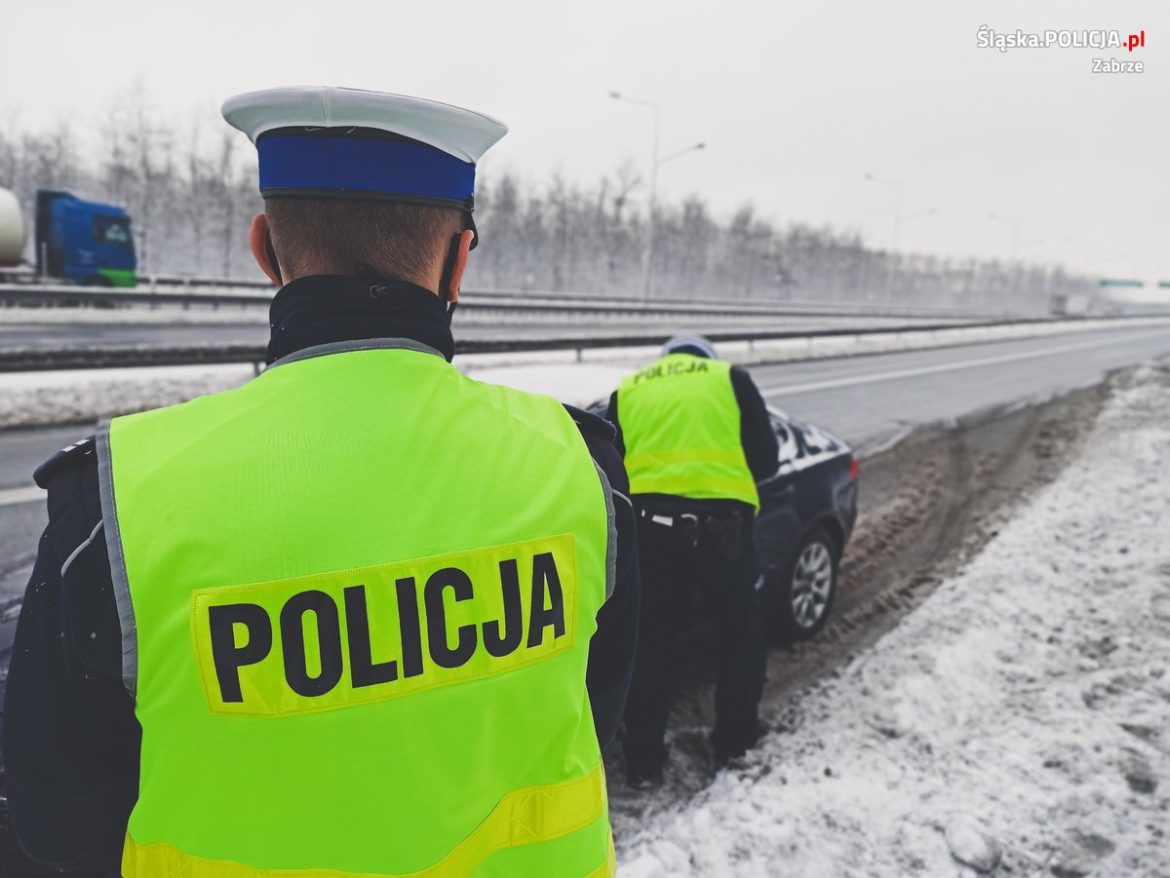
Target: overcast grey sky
(796,101)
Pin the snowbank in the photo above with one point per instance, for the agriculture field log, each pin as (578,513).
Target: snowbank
(72,396)
(1021,714)
(67,396)
(577,385)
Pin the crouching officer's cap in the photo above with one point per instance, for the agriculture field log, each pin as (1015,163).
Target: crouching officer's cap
(350,143)
(698,345)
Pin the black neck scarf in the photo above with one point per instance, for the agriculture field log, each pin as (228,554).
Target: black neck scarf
(322,309)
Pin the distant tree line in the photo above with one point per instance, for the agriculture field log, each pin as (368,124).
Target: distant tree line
(192,193)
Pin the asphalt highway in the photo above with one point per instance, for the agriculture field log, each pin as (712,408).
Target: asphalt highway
(866,400)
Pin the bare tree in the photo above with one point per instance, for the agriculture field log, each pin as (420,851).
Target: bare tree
(194,198)
(140,164)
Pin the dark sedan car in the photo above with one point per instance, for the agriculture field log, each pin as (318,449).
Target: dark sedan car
(807,513)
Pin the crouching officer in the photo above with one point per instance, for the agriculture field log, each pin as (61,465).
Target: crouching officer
(371,616)
(696,439)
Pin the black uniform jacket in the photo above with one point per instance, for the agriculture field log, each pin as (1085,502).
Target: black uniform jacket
(71,738)
(760,448)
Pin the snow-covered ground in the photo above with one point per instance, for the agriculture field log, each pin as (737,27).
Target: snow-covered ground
(578,385)
(67,396)
(1020,715)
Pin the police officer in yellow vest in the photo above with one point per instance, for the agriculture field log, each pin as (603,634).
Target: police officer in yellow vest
(696,438)
(361,616)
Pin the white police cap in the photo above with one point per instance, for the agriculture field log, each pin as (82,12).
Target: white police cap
(323,140)
(465,134)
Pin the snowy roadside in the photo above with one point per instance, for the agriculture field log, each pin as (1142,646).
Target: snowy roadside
(576,377)
(1021,714)
(41,398)
(72,396)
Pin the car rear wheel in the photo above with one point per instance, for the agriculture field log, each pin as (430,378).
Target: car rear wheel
(803,595)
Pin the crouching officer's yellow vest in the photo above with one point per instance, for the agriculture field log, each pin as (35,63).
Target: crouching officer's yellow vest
(356,598)
(681,426)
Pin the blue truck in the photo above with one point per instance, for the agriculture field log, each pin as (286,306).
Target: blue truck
(83,241)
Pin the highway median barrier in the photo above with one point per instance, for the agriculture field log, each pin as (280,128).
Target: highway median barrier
(39,387)
(740,346)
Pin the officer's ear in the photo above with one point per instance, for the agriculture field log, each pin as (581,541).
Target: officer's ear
(260,239)
(459,265)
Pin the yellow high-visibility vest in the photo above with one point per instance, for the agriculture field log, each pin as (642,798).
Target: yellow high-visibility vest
(356,598)
(681,427)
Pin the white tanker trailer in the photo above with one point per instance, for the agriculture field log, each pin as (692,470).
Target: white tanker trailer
(12,234)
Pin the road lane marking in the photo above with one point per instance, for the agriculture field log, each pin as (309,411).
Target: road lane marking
(894,374)
(15,496)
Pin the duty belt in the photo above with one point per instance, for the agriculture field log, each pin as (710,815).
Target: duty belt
(688,523)
(693,527)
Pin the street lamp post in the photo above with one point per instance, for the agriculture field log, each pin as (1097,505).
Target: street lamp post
(900,189)
(655,161)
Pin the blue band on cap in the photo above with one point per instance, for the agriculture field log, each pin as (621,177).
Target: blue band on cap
(366,164)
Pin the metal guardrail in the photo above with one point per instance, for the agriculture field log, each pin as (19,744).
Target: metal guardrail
(57,295)
(112,356)
(29,289)
(566,297)
(62,295)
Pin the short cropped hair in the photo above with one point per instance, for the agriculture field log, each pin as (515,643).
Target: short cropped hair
(398,240)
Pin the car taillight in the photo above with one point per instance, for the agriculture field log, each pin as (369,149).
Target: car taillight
(854,468)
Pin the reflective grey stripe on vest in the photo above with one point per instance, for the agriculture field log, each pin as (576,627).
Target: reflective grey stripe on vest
(117,562)
(363,344)
(611,535)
